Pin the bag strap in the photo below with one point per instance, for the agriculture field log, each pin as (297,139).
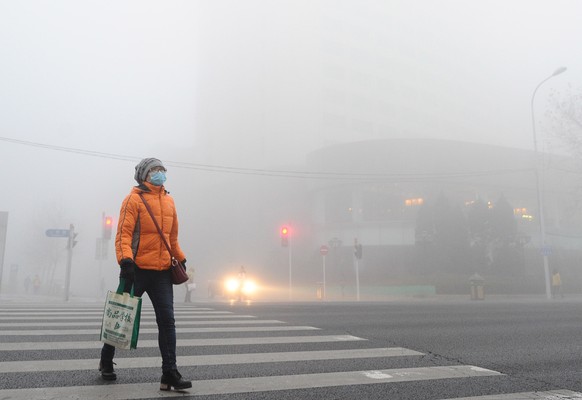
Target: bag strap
(156,224)
(121,287)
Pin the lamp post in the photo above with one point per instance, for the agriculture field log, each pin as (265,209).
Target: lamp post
(539,182)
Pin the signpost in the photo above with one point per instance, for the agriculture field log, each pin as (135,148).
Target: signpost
(57,232)
(323,250)
(357,256)
(70,234)
(3,230)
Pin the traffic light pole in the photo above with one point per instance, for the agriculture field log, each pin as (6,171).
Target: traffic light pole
(357,279)
(357,255)
(290,270)
(69,260)
(323,294)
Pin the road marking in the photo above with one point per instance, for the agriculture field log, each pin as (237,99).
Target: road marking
(215,359)
(549,395)
(44,307)
(6,315)
(71,332)
(97,324)
(98,317)
(27,346)
(247,385)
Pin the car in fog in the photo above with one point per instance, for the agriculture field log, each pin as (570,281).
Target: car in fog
(233,289)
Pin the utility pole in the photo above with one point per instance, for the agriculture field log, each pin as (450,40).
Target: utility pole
(70,246)
(539,187)
(3,231)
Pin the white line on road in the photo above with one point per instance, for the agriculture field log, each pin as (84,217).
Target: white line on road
(27,346)
(248,385)
(549,395)
(36,313)
(214,359)
(98,308)
(100,315)
(73,332)
(97,324)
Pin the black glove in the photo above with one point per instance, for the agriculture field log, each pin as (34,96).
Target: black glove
(127,269)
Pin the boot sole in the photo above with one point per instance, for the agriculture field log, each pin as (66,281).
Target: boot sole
(168,387)
(108,378)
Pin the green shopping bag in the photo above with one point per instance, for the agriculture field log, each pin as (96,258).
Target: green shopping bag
(120,326)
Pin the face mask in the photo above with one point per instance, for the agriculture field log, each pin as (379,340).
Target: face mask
(158,178)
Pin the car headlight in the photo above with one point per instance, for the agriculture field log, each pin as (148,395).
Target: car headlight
(231,285)
(249,287)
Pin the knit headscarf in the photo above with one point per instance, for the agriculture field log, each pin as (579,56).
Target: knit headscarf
(144,166)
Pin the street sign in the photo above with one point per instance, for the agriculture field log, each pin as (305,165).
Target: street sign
(323,250)
(57,232)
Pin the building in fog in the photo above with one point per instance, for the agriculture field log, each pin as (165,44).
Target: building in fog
(375,191)
(379,186)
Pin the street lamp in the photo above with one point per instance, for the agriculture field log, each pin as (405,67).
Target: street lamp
(544,249)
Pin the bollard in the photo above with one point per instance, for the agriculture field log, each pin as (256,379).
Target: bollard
(477,287)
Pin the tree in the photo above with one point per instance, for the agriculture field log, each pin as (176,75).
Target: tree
(564,123)
(505,243)
(479,223)
(46,254)
(441,229)
(564,118)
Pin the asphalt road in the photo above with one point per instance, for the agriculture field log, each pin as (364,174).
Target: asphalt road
(423,349)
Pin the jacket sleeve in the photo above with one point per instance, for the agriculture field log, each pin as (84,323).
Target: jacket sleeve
(176,250)
(128,217)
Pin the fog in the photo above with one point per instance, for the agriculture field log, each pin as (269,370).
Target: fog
(226,92)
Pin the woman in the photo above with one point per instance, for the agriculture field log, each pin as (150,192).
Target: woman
(145,263)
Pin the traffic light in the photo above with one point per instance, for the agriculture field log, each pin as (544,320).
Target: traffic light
(72,242)
(284,236)
(358,251)
(107,227)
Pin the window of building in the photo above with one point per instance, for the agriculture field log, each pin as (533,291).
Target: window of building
(338,207)
(381,206)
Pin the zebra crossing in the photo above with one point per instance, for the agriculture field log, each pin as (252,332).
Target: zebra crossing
(43,340)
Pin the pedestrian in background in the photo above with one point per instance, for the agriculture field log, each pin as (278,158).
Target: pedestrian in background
(145,263)
(36,284)
(190,285)
(556,284)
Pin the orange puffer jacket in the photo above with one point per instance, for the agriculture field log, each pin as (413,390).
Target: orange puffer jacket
(137,237)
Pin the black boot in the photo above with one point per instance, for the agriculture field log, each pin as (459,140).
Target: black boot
(174,379)
(107,372)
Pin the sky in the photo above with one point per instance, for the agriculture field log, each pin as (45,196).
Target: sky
(253,84)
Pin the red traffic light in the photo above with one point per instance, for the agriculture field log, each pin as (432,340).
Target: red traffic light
(107,227)
(284,236)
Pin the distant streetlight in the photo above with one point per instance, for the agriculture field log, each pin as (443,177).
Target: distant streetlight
(544,248)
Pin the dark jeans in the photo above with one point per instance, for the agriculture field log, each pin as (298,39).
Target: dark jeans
(158,286)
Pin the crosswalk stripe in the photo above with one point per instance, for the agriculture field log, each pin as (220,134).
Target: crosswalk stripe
(97,313)
(142,323)
(248,385)
(144,316)
(215,359)
(22,317)
(45,332)
(28,346)
(549,395)
(7,311)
